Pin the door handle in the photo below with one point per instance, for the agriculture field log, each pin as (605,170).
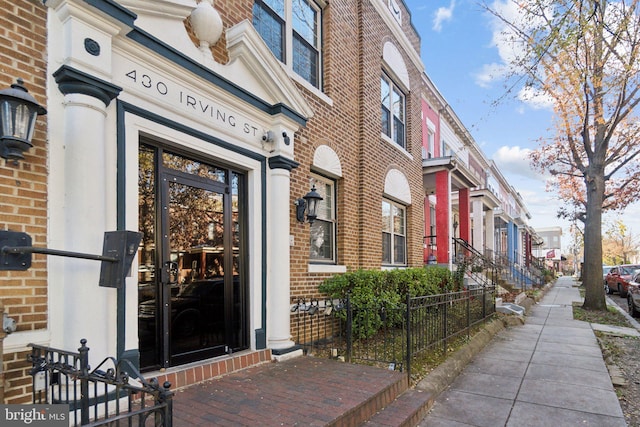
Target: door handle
(171,272)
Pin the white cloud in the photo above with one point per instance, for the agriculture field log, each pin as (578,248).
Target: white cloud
(516,161)
(510,52)
(535,99)
(490,73)
(443,14)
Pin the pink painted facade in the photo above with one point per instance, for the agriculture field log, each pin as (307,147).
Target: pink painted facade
(430,148)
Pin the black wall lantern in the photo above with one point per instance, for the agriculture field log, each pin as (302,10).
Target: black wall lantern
(309,203)
(18,113)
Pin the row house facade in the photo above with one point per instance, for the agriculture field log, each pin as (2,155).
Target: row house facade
(203,126)
(466,196)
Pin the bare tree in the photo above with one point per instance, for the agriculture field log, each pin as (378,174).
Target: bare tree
(582,56)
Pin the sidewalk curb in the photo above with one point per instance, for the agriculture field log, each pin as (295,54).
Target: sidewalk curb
(634,323)
(445,373)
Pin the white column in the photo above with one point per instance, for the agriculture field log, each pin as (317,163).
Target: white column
(478,226)
(490,233)
(278,261)
(89,310)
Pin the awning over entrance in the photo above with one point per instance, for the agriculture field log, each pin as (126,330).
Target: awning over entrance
(461,175)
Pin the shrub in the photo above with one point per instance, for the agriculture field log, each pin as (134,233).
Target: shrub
(372,292)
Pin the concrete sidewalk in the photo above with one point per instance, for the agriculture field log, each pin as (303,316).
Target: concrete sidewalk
(550,371)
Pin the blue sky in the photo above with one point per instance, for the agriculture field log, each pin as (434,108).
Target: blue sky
(459,52)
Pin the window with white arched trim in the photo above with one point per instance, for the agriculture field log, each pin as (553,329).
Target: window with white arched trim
(323,232)
(322,246)
(393,110)
(394,233)
(397,196)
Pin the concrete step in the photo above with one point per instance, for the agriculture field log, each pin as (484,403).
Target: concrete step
(407,410)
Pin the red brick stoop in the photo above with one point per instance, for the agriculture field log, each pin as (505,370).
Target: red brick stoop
(184,376)
(303,391)
(406,411)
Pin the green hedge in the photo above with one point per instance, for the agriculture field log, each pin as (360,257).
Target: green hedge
(384,291)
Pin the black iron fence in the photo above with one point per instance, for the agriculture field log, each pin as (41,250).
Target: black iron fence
(113,394)
(391,337)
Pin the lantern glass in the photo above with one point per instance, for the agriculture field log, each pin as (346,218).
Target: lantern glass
(312,198)
(18,113)
(312,207)
(18,119)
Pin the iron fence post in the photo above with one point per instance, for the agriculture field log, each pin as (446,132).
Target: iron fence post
(444,321)
(84,382)
(484,302)
(469,293)
(349,328)
(408,320)
(166,396)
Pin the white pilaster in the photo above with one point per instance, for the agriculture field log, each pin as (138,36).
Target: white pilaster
(478,226)
(89,311)
(490,227)
(278,277)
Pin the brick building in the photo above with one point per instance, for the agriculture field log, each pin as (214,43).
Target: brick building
(202,126)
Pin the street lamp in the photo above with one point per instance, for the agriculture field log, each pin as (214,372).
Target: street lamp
(18,113)
(308,202)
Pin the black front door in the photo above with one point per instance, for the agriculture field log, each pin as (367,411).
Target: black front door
(191,295)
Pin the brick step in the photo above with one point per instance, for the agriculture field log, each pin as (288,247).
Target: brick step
(407,410)
(363,411)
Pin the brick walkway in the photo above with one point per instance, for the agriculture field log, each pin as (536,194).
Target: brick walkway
(304,391)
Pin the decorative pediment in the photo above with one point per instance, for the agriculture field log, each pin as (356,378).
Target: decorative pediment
(250,60)
(251,64)
(164,19)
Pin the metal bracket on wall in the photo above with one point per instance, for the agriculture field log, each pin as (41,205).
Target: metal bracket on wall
(118,250)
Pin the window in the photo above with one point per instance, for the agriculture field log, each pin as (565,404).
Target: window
(394,239)
(446,149)
(393,107)
(323,229)
(291,29)
(431,138)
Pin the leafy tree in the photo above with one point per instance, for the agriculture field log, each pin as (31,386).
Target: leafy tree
(619,244)
(582,57)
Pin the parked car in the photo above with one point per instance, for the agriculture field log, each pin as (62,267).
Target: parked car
(618,278)
(633,297)
(605,271)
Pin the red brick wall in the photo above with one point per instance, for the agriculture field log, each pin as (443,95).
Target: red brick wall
(353,39)
(354,36)
(23,185)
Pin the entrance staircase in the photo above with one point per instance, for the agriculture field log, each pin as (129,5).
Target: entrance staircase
(509,277)
(303,391)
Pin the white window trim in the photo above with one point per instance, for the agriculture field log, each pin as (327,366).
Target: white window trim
(327,268)
(393,80)
(319,6)
(311,88)
(392,264)
(333,262)
(391,142)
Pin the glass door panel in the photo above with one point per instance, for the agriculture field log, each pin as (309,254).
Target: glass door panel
(196,241)
(148,280)
(191,285)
